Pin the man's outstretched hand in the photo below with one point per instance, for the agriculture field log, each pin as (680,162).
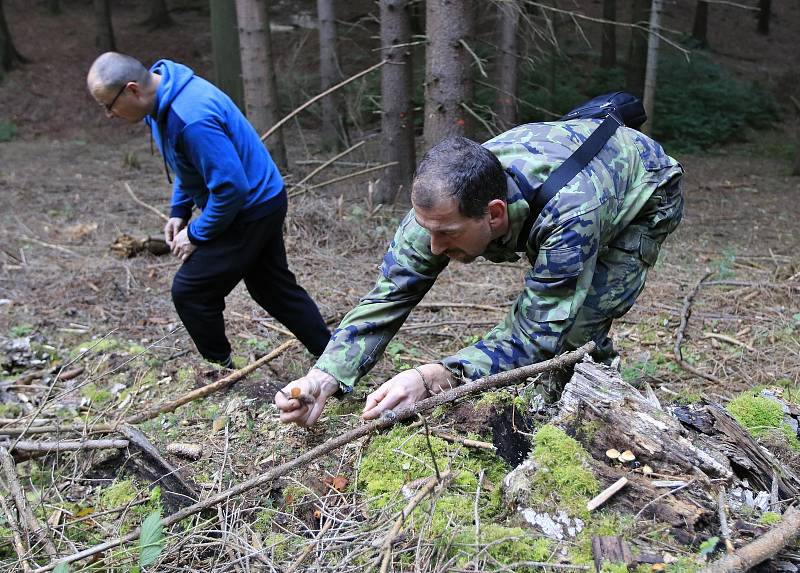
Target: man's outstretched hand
(316,387)
(406,389)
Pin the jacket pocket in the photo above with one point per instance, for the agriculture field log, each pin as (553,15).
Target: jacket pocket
(552,281)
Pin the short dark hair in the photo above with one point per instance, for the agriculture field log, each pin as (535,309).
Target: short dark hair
(463,169)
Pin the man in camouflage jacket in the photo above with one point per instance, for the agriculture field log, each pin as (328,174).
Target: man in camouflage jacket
(590,249)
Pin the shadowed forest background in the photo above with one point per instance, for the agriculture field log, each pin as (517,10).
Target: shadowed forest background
(89,339)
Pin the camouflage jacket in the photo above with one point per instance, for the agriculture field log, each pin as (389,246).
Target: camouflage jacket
(562,248)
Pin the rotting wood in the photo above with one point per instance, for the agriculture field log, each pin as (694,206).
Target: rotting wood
(156,411)
(610,549)
(26,516)
(686,312)
(764,547)
(389,419)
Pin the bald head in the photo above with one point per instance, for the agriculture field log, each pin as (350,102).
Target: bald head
(113,70)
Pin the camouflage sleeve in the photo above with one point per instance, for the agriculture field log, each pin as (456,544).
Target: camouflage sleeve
(408,271)
(536,326)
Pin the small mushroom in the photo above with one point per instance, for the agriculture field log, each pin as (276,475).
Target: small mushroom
(612,453)
(295,392)
(647,470)
(626,456)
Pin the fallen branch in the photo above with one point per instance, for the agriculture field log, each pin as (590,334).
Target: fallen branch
(679,334)
(342,178)
(310,547)
(67,445)
(142,203)
(424,491)
(729,340)
(329,162)
(26,516)
(318,97)
(766,546)
(50,245)
(387,420)
(464,441)
(163,408)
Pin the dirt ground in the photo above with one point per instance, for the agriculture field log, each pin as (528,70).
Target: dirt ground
(64,203)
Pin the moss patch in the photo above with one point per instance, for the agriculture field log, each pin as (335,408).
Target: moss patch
(769,518)
(505,544)
(760,416)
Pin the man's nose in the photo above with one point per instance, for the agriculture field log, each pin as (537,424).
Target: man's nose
(438,245)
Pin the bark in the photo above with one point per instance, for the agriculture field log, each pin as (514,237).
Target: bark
(9,56)
(650,79)
(764,7)
(397,108)
(637,49)
(104,38)
(225,50)
(608,54)
(159,15)
(258,72)
(329,75)
(508,65)
(700,28)
(448,81)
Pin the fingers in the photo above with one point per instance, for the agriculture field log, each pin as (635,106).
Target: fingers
(386,397)
(375,397)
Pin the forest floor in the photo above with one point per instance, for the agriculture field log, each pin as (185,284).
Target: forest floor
(73,303)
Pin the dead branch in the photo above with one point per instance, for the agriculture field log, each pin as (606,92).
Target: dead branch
(318,97)
(329,162)
(343,178)
(764,547)
(460,305)
(679,334)
(606,494)
(387,420)
(143,204)
(50,245)
(310,547)
(67,445)
(463,441)
(443,480)
(18,545)
(724,529)
(25,514)
(163,408)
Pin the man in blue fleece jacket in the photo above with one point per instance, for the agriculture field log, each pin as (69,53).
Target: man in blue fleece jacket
(222,168)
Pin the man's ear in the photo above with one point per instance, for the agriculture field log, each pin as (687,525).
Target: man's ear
(498,213)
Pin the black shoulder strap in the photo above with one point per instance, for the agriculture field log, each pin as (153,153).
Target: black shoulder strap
(565,172)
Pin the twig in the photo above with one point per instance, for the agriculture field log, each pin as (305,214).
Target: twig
(310,547)
(474,57)
(18,545)
(329,162)
(606,494)
(724,530)
(25,513)
(387,420)
(50,245)
(318,97)
(483,122)
(142,203)
(679,334)
(163,408)
(460,305)
(424,491)
(764,547)
(475,512)
(663,495)
(430,447)
(463,441)
(729,340)
(343,178)
(68,445)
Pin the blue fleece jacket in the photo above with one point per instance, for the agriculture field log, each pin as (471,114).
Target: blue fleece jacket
(219,161)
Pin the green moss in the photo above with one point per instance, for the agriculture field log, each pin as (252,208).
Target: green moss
(97,396)
(505,544)
(614,567)
(263,522)
(562,470)
(185,375)
(118,494)
(770,518)
(756,414)
(10,410)
(494,399)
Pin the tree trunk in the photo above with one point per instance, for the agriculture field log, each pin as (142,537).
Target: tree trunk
(637,50)
(764,7)
(508,65)
(329,75)
(159,15)
(258,72)
(9,56)
(54,6)
(104,39)
(397,113)
(608,54)
(225,50)
(652,65)
(700,28)
(448,81)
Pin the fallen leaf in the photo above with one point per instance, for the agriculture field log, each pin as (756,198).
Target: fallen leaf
(340,483)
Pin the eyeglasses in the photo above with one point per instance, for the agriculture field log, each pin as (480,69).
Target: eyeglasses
(109,106)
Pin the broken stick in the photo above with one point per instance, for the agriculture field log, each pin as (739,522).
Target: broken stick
(679,334)
(387,420)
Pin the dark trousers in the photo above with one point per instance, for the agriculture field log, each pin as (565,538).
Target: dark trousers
(255,252)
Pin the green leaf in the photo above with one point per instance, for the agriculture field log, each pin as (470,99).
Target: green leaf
(61,568)
(707,547)
(151,541)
